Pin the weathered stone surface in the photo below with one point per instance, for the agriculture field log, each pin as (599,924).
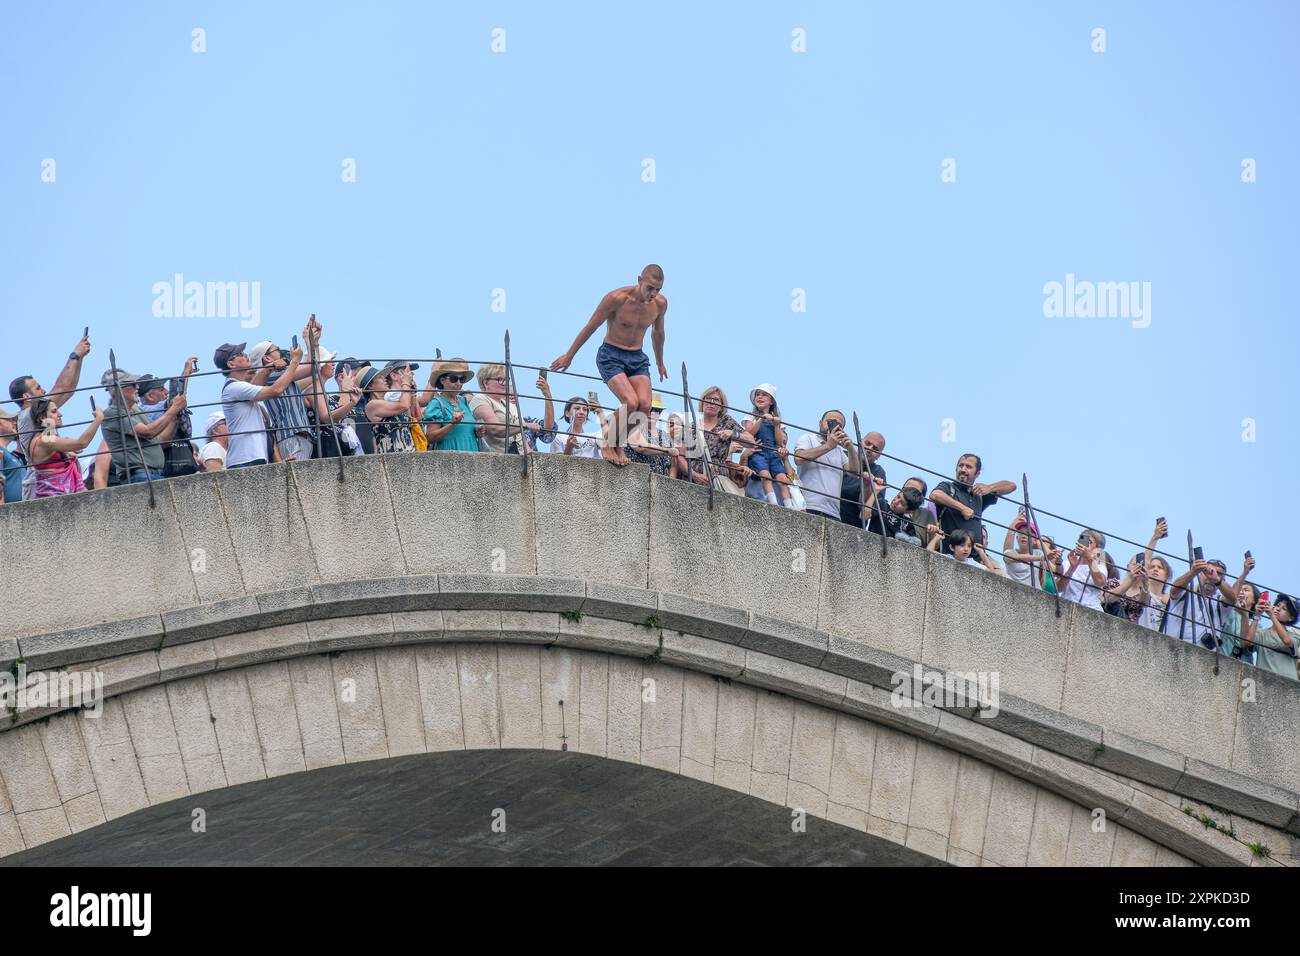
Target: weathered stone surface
(510,592)
(91,643)
(520,695)
(492,529)
(282,551)
(793,642)
(686,538)
(874,601)
(348,598)
(361,500)
(153,737)
(136,567)
(215,619)
(976,621)
(270,687)
(587,514)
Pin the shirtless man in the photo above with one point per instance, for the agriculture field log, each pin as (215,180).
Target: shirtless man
(622,360)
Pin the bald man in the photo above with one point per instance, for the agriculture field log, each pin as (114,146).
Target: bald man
(622,361)
(873,443)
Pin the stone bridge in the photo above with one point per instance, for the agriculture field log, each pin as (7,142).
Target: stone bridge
(274,621)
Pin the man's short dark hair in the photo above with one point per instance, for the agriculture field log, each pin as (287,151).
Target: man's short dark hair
(832,411)
(912,498)
(979,465)
(18,387)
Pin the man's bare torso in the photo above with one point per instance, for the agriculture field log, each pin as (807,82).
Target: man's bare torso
(630,316)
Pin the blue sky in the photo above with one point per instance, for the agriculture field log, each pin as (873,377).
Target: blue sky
(774,170)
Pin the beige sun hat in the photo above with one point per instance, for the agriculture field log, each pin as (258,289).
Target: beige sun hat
(445,366)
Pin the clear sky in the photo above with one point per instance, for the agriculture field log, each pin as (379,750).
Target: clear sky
(774,170)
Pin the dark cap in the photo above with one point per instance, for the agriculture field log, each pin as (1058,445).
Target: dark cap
(222,356)
(146,382)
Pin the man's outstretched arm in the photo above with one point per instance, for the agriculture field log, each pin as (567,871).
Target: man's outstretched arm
(657,337)
(597,319)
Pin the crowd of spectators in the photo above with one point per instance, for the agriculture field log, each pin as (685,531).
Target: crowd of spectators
(277,406)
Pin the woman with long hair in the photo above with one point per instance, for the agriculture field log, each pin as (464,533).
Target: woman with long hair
(54,458)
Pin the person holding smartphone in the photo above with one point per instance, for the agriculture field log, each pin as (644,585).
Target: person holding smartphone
(822,460)
(1198,599)
(578,439)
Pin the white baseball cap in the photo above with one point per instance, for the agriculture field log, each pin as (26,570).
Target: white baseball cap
(215,419)
(258,352)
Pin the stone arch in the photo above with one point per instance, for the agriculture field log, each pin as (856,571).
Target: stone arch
(289,714)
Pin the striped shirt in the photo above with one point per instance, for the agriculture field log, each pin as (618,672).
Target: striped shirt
(288,411)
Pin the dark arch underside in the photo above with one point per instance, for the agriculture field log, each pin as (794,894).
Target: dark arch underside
(561,808)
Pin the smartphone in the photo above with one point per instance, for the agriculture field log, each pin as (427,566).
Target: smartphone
(543,374)
(1198,554)
(1142,560)
(93,409)
(1263,596)
(294,344)
(592,399)
(86,334)
(1159,521)
(1247,554)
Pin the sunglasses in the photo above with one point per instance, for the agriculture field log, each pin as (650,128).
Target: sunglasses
(458,379)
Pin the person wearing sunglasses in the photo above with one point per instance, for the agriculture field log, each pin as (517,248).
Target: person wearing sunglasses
(448,422)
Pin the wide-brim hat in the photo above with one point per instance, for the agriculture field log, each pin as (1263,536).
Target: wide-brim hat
(764,387)
(365,375)
(447,366)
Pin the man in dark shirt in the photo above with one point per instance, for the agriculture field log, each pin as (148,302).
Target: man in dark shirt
(962,502)
(873,443)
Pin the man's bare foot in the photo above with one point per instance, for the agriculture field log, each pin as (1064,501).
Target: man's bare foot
(610,454)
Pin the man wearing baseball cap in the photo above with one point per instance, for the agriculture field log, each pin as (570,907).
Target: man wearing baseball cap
(134,461)
(245,427)
(288,411)
(212,457)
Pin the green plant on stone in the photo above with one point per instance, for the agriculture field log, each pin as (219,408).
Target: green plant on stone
(575,616)
(1259,849)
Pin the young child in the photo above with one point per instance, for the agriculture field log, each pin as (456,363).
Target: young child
(961,544)
(768,459)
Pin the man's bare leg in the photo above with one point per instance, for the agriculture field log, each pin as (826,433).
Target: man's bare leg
(625,393)
(641,387)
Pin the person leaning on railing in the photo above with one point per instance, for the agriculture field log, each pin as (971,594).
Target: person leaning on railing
(136,443)
(1274,639)
(54,459)
(448,420)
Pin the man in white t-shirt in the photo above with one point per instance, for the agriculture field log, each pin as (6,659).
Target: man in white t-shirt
(212,457)
(822,461)
(246,428)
